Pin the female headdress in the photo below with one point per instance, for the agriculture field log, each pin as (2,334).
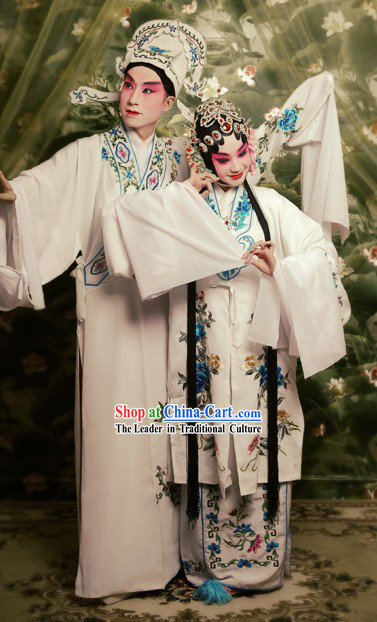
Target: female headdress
(213,120)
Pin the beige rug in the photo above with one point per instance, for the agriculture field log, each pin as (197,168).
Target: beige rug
(334,572)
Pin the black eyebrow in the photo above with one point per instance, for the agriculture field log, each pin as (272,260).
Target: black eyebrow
(132,80)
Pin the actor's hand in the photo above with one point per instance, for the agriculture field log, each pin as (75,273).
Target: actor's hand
(6,191)
(202,182)
(261,255)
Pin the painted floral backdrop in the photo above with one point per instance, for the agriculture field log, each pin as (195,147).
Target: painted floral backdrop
(258,52)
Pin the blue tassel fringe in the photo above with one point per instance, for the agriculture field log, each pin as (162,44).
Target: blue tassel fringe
(212,592)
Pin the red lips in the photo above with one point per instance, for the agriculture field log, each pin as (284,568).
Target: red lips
(132,113)
(237,176)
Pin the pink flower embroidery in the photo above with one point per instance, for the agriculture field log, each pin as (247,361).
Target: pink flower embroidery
(253,445)
(256,544)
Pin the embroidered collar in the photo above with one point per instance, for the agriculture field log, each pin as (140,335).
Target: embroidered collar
(120,153)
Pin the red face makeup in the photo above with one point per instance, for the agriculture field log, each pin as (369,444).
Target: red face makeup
(142,100)
(232,162)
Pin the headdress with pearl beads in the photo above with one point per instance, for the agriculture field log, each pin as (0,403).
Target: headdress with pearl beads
(228,118)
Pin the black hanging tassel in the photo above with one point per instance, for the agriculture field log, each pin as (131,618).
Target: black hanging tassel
(272,396)
(192,509)
(272,438)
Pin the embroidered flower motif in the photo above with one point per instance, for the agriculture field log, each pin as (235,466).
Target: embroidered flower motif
(202,376)
(80,28)
(177,156)
(371,132)
(104,154)
(272,545)
(124,19)
(213,517)
(370,254)
(215,363)
(214,547)
(371,375)
(200,331)
(337,389)
(335,22)
(257,544)
(272,112)
(190,8)
(77,97)
(253,445)
(263,371)
(243,528)
(99,266)
(288,122)
(152,180)
(316,67)
(283,415)
(194,55)
(142,40)
(212,88)
(247,74)
(244,562)
(122,152)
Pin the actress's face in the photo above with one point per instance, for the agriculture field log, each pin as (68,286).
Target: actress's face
(232,162)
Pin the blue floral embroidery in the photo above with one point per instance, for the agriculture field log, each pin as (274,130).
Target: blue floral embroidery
(214,547)
(177,156)
(104,154)
(200,331)
(194,55)
(244,562)
(143,40)
(213,517)
(288,122)
(243,528)
(263,371)
(157,50)
(114,131)
(202,376)
(130,175)
(122,152)
(272,545)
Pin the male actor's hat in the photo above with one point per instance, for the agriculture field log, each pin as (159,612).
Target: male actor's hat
(179,50)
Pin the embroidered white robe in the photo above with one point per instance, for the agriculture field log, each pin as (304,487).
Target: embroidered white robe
(128,524)
(300,310)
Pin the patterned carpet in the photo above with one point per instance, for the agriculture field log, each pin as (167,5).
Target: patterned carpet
(334,572)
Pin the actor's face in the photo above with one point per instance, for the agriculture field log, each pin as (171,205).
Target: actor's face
(232,162)
(143,98)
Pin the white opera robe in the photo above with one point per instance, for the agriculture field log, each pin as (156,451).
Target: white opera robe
(300,310)
(128,516)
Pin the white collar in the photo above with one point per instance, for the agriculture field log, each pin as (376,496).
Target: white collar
(225,198)
(138,142)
